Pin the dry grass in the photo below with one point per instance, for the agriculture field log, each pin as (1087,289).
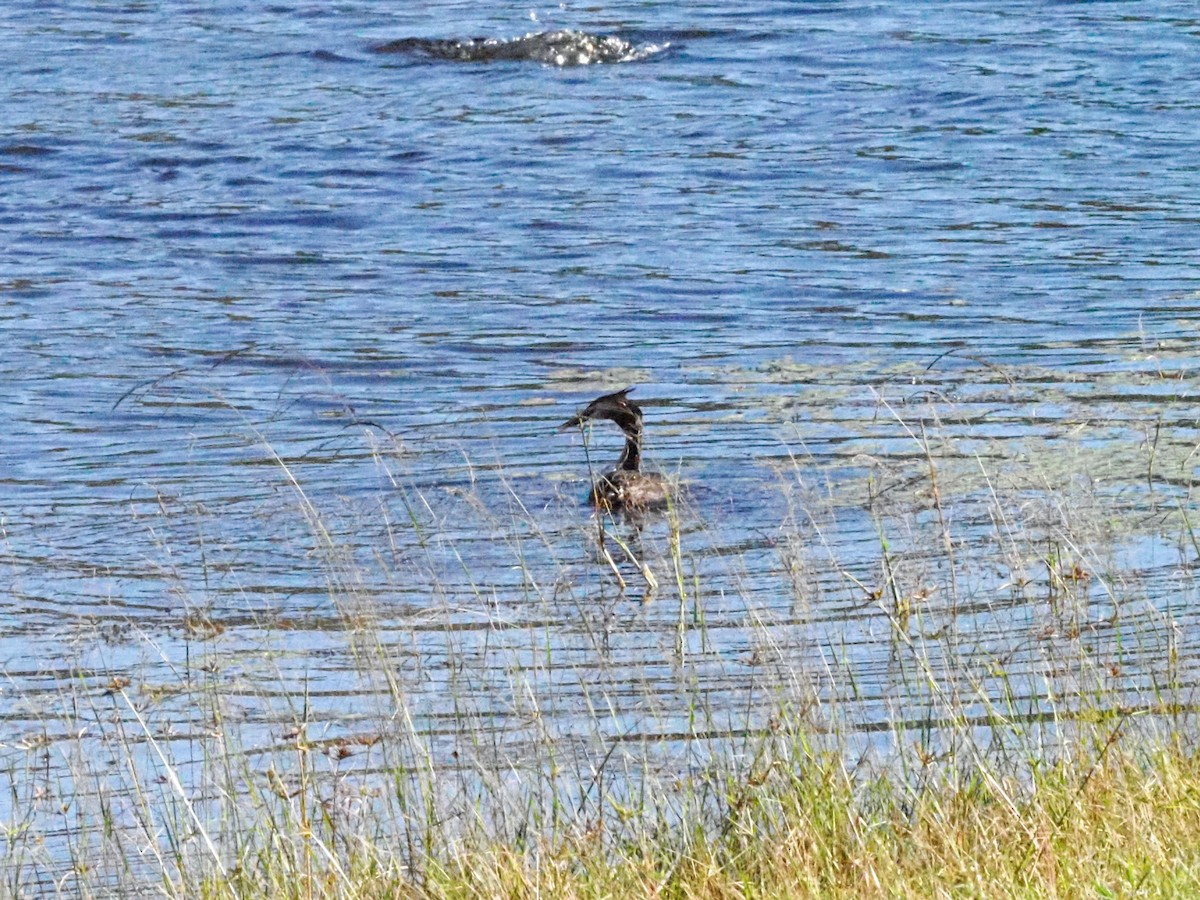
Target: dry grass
(990,697)
(1125,825)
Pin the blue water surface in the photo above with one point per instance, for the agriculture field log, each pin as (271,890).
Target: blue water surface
(273,303)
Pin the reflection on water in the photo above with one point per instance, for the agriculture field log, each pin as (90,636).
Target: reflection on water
(288,328)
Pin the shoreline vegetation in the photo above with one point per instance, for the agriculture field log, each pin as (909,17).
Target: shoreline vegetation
(1009,712)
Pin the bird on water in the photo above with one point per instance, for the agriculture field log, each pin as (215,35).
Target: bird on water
(625,488)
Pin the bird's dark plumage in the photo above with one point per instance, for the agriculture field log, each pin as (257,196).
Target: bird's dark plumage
(625,487)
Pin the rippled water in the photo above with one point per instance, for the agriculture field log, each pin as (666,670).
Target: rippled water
(289,322)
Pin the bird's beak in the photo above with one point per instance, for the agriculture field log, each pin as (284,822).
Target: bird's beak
(573,422)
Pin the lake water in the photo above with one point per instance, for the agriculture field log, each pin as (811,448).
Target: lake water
(289,323)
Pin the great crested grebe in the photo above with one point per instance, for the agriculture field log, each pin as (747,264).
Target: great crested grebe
(625,487)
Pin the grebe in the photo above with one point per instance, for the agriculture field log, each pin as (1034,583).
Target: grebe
(625,487)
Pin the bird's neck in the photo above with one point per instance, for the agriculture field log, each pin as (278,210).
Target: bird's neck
(631,458)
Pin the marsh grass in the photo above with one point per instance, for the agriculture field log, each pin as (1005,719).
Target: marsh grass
(944,675)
